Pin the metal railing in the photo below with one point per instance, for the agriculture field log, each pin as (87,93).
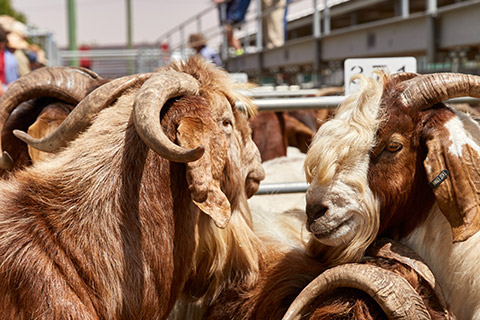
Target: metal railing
(114,63)
(250,31)
(289,104)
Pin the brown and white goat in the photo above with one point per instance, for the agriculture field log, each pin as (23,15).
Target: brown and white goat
(38,102)
(284,269)
(112,227)
(395,161)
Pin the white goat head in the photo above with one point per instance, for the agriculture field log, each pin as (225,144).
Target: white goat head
(378,166)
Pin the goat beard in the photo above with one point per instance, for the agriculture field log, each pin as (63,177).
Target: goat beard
(231,253)
(354,250)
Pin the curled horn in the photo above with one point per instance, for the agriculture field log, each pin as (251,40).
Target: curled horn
(69,84)
(82,116)
(393,293)
(424,91)
(402,76)
(165,85)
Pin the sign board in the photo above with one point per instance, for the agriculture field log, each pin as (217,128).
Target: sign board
(239,77)
(368,65)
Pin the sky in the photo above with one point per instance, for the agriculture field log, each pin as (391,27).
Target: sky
(103,22)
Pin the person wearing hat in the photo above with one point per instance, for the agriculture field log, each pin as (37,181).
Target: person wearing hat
(199,43)
(19,46)
(8,62)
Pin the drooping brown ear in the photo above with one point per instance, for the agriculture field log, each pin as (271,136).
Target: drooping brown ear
(204,174)
(453,170)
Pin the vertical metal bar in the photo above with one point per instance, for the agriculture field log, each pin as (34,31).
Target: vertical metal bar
(432,7)
(246,39)
(169,50)
(199,24)
(129,24)
(316,34)
(182,41)
(431,30)
(326,18)
(223,18)
(259,26)
(72,30)
(130,65)
(431,38)
(316,20)
(405,8)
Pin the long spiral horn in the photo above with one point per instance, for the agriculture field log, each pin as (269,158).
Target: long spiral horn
(393,293)
(148,105)
(68,84)
(82,116)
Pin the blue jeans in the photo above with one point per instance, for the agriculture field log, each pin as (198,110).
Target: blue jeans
(236,11)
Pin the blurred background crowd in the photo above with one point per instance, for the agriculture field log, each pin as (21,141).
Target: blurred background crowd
(17,56)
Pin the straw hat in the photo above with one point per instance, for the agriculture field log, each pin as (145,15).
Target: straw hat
(196,40)
(19,28)
(6,22)
(15,41)
(17,32)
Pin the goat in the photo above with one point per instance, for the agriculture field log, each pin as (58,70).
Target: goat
(274,132)
(285,269)
(111,226)
(37,103)
(273,232)
(395,161)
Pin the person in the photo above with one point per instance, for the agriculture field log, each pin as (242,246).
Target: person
(198,42)
(37,57)
(85,62)
(232,12)
(8,62)
(19,46)
(273,22)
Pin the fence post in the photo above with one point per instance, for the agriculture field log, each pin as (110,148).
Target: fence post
(199,24)
(259,26)
(223,18)
(72,30)
(326,17)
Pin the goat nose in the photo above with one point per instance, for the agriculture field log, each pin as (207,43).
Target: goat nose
(315,211)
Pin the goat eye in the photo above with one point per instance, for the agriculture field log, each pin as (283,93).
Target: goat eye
(394,147)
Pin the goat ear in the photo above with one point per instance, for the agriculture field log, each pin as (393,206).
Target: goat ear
(204,174)
(453,170)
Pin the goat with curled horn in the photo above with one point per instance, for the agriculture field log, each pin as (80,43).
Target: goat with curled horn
(37,103)
(108,228)
(402,164)
(391,284)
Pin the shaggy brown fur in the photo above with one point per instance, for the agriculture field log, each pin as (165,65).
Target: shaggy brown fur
(282,275)
(107,229)
(269,134)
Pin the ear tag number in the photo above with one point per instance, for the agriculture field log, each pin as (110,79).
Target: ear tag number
(439,179)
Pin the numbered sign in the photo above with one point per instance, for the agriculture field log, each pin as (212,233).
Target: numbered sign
(367,65)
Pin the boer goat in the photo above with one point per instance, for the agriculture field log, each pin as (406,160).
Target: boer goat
(38,102)
(112,226)
(396,161)
(273,235)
